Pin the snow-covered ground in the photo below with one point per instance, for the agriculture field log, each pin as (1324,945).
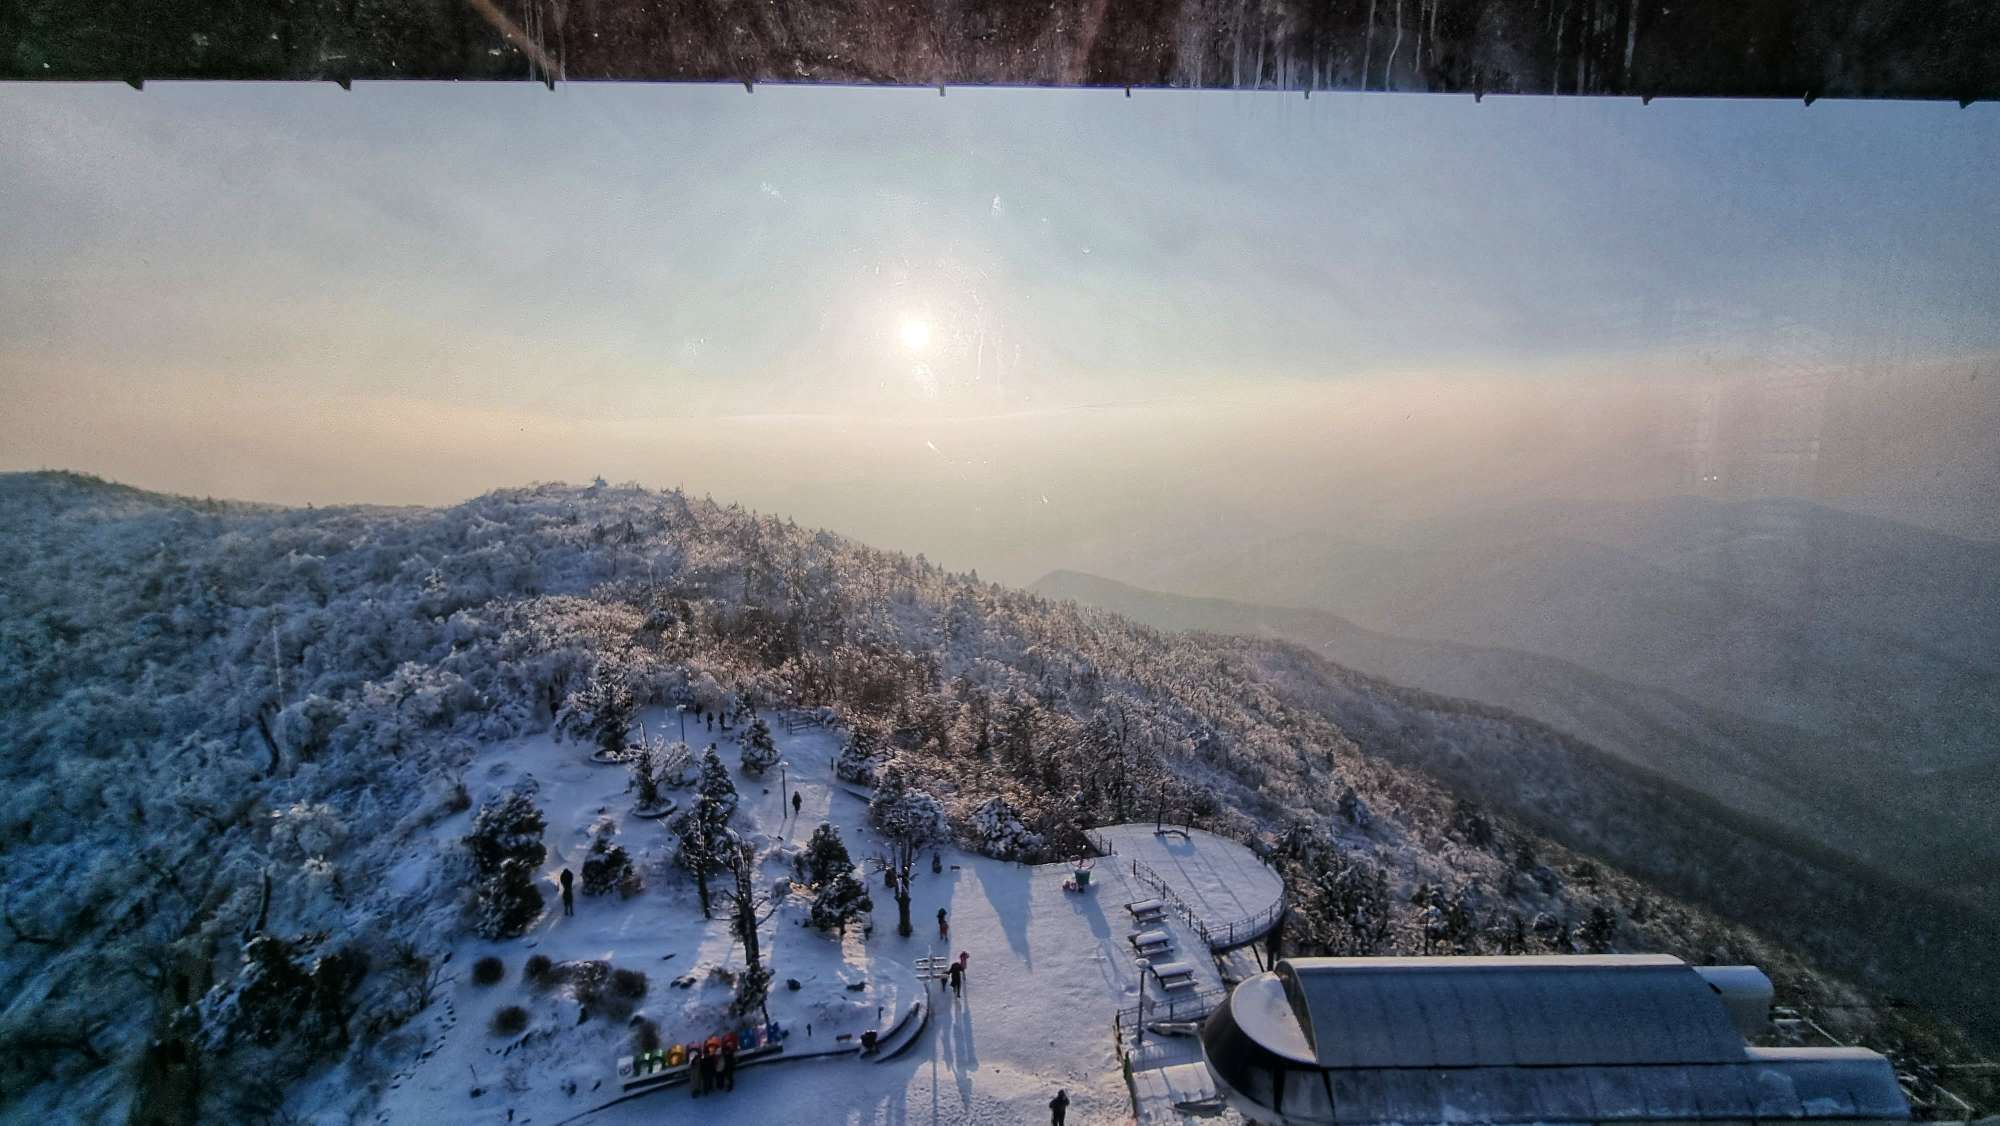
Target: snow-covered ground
(1048,970)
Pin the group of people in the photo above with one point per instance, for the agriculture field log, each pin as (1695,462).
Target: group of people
(715,1067)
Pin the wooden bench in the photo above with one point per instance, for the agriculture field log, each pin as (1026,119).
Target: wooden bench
(1151,942)
(1148,910)
(1173,975)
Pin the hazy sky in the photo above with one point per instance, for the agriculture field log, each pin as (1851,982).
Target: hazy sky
(1000,325)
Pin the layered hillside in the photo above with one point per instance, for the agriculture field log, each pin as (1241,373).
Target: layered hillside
(221,723)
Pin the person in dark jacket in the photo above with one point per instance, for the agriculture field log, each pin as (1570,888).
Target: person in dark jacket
(1058,1107)
(797,801)
(957,974)
(729,1062)
(944,927)
(569,897)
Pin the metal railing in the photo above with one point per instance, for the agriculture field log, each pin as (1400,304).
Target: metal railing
(1170,1010)
(1219,936)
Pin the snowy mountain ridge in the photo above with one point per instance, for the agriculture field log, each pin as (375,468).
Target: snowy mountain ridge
(226,728)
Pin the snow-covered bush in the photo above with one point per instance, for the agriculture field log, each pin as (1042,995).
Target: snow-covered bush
(995,829)
(608,868)
(759,752)
(306,829)
(856,763)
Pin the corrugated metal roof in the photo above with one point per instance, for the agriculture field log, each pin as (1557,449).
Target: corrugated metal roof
(1478,1012)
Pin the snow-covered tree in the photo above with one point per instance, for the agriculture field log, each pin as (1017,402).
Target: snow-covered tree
(912,820)
(1599,930)
(659,765)
(507,903)
(996,829)
(759,752)
(607,868)
(702,829)
(842,899)
(506,848)
(749,910)
(856,763)
(601,712)
(905,813)
(826,855)
(673,764)
(714,783)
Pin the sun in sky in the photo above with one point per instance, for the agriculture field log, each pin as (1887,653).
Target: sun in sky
(915,333)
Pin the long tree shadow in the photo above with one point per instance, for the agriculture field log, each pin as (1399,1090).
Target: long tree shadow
(1010,890)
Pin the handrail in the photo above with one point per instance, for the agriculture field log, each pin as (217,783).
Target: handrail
(1218,936)
(1191,1007)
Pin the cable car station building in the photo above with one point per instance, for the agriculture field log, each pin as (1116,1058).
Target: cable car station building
(1557,1039)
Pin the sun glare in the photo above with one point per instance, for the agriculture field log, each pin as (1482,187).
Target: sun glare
(915,333)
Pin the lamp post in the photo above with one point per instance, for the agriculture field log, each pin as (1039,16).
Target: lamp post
(784,799)
(683,710)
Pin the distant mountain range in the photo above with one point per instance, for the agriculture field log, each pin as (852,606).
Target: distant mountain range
(1830,672)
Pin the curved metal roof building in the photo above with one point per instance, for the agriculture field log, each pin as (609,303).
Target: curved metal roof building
(1558,1039)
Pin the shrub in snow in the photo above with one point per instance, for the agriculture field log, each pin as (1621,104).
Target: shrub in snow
(759,752)
(608,868)
(630,984)
(1598,930)
(488,971)
(856,763)
(840,900)
(304,829)
(996,830)
(537,969)
(510,1021)
(1354,809)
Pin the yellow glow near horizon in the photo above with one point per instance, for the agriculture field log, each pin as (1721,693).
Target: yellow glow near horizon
(915,333)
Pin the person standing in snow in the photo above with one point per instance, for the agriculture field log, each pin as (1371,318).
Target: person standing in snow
(729,1062)
(1058,1107)
(957,975)
(569,897)
(944,928)
(797,801)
